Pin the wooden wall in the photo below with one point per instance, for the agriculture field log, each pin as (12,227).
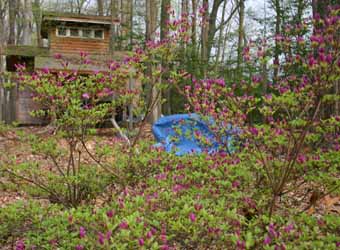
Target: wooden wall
(72,45)
(16,105)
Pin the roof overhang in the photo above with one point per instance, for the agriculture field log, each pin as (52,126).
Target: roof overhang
(78,18)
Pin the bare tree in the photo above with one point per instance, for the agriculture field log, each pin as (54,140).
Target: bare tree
(12,4)
(37,16)
(194,24)
(100,7)
(240,36)
(205,37)
(151,27)
(27,22)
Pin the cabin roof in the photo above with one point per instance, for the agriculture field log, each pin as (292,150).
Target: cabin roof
(78,18)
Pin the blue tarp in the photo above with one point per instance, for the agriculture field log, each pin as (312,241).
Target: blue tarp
(176,134)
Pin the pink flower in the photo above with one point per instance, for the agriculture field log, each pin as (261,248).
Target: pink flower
(57,56)
(267,240)
(86,96)
(235,184)
(192,217)
(240,245)
(79,247)
(141,242)
(301,159)
(110,213)
(108,235)
(198,207)
(45,70)
(254,131)
(82,232)
(20,245)
(123,225)
(289,228)
(101,239)
(83,54)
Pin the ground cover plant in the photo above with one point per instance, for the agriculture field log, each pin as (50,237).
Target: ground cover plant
(278,189)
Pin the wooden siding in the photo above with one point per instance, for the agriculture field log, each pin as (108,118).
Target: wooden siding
(73,45)
(16,105)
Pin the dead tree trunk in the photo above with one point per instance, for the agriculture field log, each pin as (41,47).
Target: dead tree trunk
(12,13)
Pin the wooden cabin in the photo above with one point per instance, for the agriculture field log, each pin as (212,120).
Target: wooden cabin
(68,35)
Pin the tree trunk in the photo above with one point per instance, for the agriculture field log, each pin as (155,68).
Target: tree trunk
(27,23)
(153,94)
(184,7)
(220,37)
(205,37)
(277,6)
(100,7)
(166,4)
(194,25)
(37,15)
(240,38)
(126,13)
(165,18)
(3,8)
(113,28)
(12,13)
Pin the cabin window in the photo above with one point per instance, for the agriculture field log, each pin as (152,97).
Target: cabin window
(79,32)
(87,33)
(62,31)
(74,32)
(98,34)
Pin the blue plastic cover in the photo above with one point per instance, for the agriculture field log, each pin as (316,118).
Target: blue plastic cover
(176,133)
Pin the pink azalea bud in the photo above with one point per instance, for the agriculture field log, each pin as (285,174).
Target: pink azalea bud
(110,213)
(123,225)
(192,217)
(141,242)
(82,232)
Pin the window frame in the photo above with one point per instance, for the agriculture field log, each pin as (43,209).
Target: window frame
(68,33)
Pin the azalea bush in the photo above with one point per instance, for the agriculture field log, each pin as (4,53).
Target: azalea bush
(293,143)
(192,202)
(76,104)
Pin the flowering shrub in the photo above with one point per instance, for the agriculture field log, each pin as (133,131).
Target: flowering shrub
(194,202)
(293,144)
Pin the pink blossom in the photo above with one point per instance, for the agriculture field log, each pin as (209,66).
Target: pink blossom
(235,184)
(82,232)
(289,228)
(123,225)
(101,239)
(254,131)
(20,245)
(86,96)
(79,247)
(108,235)
(141,242)
(267,240)
(110,213)
(192,217)
(57,56)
